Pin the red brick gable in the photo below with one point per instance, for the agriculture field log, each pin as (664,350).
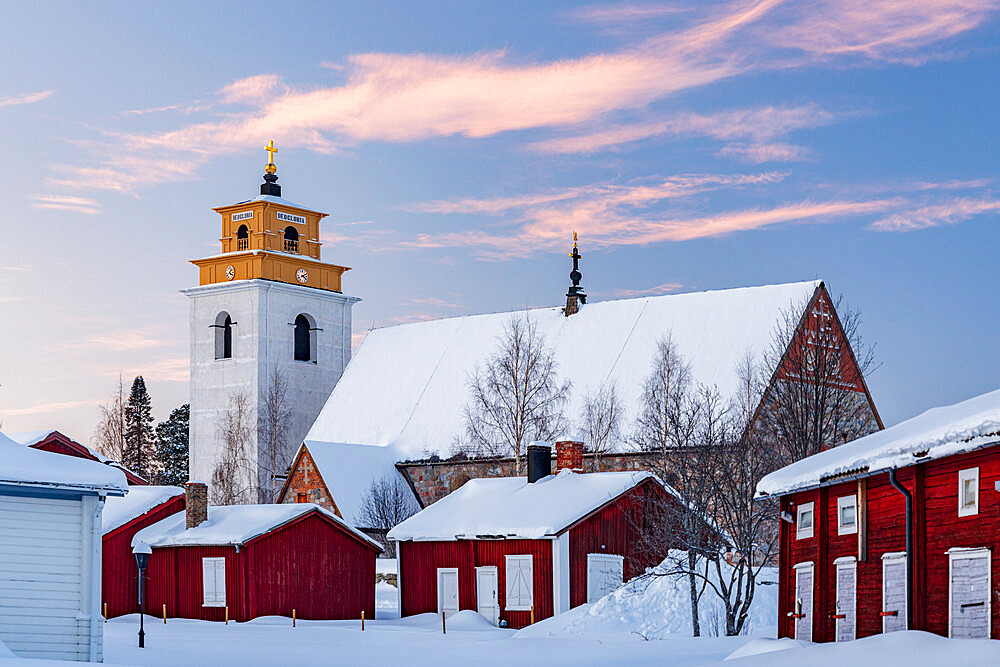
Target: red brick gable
(305,484)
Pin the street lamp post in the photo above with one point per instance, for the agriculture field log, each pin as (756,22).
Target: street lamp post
(142,552)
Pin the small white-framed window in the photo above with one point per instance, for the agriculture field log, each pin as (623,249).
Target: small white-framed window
(804,521)
(520,583)
(968,492)
(213,582)
(847,515)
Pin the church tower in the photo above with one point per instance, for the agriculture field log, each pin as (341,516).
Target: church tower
(266,307)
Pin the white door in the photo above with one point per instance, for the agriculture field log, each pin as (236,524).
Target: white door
(846,597)
(804,602)
(969,614)
(605,574)
(487,603)
(447,586)
(893,592)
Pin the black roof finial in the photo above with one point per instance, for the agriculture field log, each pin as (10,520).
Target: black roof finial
(575,296)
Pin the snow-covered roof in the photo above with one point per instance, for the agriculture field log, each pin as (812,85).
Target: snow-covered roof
(510,507)
(140,499)
(407,385)
(937,433)
(232,525)
(29,438)
(348,470)
(25,466)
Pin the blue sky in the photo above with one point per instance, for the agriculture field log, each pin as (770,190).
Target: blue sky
(457,145)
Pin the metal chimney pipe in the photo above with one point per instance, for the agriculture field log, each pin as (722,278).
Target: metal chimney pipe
(539,461)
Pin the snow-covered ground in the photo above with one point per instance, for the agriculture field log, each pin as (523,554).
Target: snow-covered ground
(658,607)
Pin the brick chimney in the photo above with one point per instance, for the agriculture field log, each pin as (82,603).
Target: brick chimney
(196,500)
(569,455)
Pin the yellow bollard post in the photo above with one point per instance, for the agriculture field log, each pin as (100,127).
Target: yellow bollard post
(105,612)
(532,621)
(293,618)
(362,620)
(444,630)
(227,614)
(164,613)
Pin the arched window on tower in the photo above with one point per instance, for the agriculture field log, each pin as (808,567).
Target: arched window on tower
(243,238)
(223,336)
(291,239)
(305,338)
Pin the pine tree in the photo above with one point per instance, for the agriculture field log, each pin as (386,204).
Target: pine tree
(139,455)
(172,447)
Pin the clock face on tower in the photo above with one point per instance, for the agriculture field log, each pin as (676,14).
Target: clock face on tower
(302,275)
(230,272)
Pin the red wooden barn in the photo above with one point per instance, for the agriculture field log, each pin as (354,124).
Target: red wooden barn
(56,442)
(258,560)
(511,547)
(899,529)
(122,519)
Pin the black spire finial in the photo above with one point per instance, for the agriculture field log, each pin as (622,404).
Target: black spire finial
(575,296)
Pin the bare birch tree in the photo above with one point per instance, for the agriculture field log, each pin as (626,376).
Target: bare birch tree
(601,419)
(109,436)
(667,429)
(387,502)
(232,478)
(273,424)
(515,397)
(812,381)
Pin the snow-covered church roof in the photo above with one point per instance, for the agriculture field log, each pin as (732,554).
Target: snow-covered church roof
(407,385)
(937,433)
(510,507)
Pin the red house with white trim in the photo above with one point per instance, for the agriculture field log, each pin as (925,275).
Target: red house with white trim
(244,561)
(517,549)
(899,529)
(122,519)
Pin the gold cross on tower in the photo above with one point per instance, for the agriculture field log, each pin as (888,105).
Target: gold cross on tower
(271,150)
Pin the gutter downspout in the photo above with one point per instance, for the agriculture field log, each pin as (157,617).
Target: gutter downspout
(909,545)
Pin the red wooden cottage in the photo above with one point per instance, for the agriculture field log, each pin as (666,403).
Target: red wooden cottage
(512,548)
(896,530)
(56,442)
(122,519)
(258,560)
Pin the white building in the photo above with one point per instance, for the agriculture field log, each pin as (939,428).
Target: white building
(50,552)
(266,304)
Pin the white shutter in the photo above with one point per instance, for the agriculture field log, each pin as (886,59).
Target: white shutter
(213,578)
(520,583)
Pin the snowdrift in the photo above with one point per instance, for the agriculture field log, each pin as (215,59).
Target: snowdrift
(657,607)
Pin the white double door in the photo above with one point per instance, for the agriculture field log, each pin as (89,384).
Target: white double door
(487,602)
(969,593)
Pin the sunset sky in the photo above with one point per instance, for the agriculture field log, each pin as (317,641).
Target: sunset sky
(457,145)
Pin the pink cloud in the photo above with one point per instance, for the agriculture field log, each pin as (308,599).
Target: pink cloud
(27,98)
(657,290)
(759,125)
(67,203)
(758,153)
(934,215)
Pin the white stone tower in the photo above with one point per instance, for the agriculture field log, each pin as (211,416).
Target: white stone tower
(266,305)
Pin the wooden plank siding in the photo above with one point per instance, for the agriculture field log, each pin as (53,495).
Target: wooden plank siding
(119,576)
(419,561)
(937,528)
(615,529)
(311,565)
